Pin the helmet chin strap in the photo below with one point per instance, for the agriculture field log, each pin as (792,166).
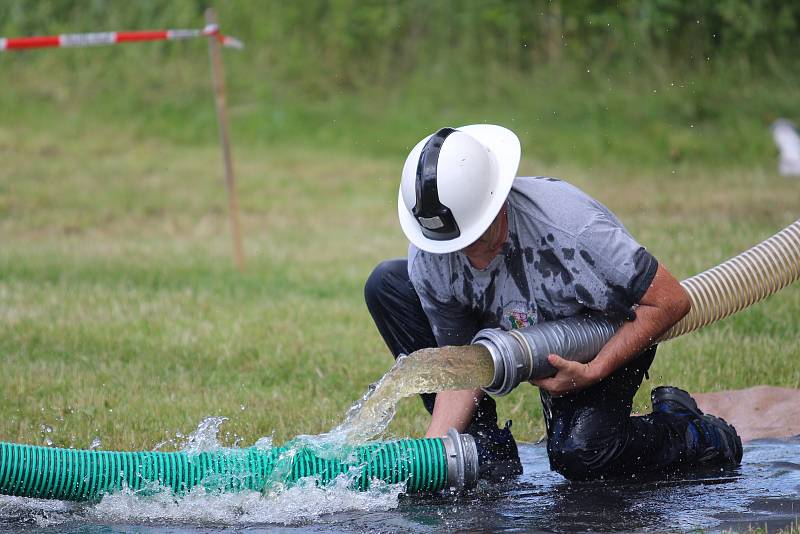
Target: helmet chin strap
(435,219)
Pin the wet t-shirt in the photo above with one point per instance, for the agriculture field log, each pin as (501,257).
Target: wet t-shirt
(565,253)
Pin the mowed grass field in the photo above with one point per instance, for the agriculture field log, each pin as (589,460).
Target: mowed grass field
(122,316)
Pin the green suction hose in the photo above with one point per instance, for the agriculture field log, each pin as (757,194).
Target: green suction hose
(424,465)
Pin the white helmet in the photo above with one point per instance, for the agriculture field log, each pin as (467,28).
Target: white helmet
(454,184)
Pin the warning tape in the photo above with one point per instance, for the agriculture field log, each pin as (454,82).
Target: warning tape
(75,40)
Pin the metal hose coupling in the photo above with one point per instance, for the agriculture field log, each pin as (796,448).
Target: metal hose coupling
(521,355)
(462,460)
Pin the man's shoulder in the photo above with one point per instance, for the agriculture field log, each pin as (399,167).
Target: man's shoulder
(429,273)
(550,203)
(426,265)
(546,189)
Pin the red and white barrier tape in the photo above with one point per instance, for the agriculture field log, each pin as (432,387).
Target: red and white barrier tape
(72,40)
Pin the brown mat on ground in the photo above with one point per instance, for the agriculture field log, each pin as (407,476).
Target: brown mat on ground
(757,412)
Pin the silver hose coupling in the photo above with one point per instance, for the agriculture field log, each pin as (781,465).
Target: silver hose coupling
(462,460)
(521,355)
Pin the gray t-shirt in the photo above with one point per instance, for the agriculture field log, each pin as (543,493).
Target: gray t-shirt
(566,252)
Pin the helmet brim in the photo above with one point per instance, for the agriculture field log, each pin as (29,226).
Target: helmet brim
(504,144)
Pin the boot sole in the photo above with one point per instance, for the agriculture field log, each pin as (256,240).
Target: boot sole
(732,439)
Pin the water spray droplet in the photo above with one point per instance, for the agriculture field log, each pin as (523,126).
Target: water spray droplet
(204,438)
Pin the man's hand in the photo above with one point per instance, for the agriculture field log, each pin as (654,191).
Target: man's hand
(570,377)
(664,303)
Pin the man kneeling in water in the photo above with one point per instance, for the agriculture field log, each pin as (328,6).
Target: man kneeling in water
(490,250)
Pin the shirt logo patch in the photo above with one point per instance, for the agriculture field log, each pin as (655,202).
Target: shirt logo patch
(521,319)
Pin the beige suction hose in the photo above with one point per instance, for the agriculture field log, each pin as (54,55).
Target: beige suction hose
(741,281)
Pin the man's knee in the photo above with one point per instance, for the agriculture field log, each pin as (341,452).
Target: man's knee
(587,451)
(381,280)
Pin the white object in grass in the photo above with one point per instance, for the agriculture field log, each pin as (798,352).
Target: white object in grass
(788,141)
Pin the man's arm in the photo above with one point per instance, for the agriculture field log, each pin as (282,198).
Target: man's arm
(664,303)
(453,409)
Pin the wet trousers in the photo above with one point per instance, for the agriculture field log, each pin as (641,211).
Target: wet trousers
(590,434)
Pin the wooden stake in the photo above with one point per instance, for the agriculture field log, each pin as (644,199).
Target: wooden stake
(218,80)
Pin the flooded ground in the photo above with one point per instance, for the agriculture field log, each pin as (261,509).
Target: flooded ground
(764,491)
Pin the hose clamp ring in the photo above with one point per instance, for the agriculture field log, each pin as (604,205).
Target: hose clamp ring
(527,351)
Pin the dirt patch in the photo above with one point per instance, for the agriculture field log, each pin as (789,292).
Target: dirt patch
(757,412)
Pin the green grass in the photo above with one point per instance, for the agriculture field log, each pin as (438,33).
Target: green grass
(122,316)
(612,118)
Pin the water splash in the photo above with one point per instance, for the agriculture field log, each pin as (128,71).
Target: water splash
(427,370)
(264,443)
(205,436)
(301,503)
(279,503)
(46,431)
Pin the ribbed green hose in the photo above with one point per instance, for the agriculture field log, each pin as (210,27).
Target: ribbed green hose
(81,475)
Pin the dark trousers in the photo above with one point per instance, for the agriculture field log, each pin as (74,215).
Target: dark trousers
(590,434)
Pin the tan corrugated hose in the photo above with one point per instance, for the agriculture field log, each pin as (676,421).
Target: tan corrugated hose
(741,281)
